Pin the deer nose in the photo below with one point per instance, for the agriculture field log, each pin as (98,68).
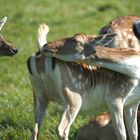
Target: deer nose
(15,50)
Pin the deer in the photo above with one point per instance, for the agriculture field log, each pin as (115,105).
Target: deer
(128,35)
(101,128)
(77,87)
(127,29)
(6,49)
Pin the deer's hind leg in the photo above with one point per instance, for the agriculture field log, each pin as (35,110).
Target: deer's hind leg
(130,113)
(40,105)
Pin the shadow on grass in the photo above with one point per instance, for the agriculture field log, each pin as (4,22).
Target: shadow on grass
(8,122)
(106,7)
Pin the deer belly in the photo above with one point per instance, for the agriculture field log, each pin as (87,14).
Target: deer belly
(94,102)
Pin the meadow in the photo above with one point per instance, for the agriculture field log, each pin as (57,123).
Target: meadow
(64,18)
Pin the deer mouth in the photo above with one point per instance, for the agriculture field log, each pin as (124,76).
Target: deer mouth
(8,52)
(13,51)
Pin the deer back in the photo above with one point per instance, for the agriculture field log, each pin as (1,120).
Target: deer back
(123,26)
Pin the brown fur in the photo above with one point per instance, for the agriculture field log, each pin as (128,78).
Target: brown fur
(71,45)
(72,95)
(115,54)
(65,42)
(40,64)
(65,85)
(6,49)
(123,23)
(99,129)
(123,26)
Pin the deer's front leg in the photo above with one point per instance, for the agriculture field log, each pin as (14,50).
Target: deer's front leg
(116,111)
(74,102)
(130,113)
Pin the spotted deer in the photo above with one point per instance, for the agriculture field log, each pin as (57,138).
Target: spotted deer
(88,89)
(6,49)
(126,30)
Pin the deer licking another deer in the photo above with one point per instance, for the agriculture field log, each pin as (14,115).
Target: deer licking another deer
(75,87)
(6,49)
(128,35)
(125,38)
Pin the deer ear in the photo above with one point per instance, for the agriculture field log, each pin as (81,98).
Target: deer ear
(104,39)
(2,22)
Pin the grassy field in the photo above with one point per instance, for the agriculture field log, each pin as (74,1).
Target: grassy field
(65,18)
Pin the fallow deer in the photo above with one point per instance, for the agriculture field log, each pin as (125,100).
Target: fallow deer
(123,60)
(6,49)
(101,128)
(126,36)
(127,29)
(73,86)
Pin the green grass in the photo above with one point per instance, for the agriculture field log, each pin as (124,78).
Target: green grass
(65,18)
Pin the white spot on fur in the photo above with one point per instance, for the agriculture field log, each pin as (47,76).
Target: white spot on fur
(124,34)
(90,67)
(104,123)
(129,36)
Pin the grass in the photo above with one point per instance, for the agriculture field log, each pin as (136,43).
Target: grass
(65,18)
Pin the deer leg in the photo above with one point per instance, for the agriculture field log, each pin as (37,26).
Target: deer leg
(62,124)
(74,103)
(130,113)
(116,112)
(40,105)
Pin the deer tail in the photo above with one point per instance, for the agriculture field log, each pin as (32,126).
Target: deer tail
(43,30)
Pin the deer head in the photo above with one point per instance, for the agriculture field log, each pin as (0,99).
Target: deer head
(74,48)
(6,49)
(79,47)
